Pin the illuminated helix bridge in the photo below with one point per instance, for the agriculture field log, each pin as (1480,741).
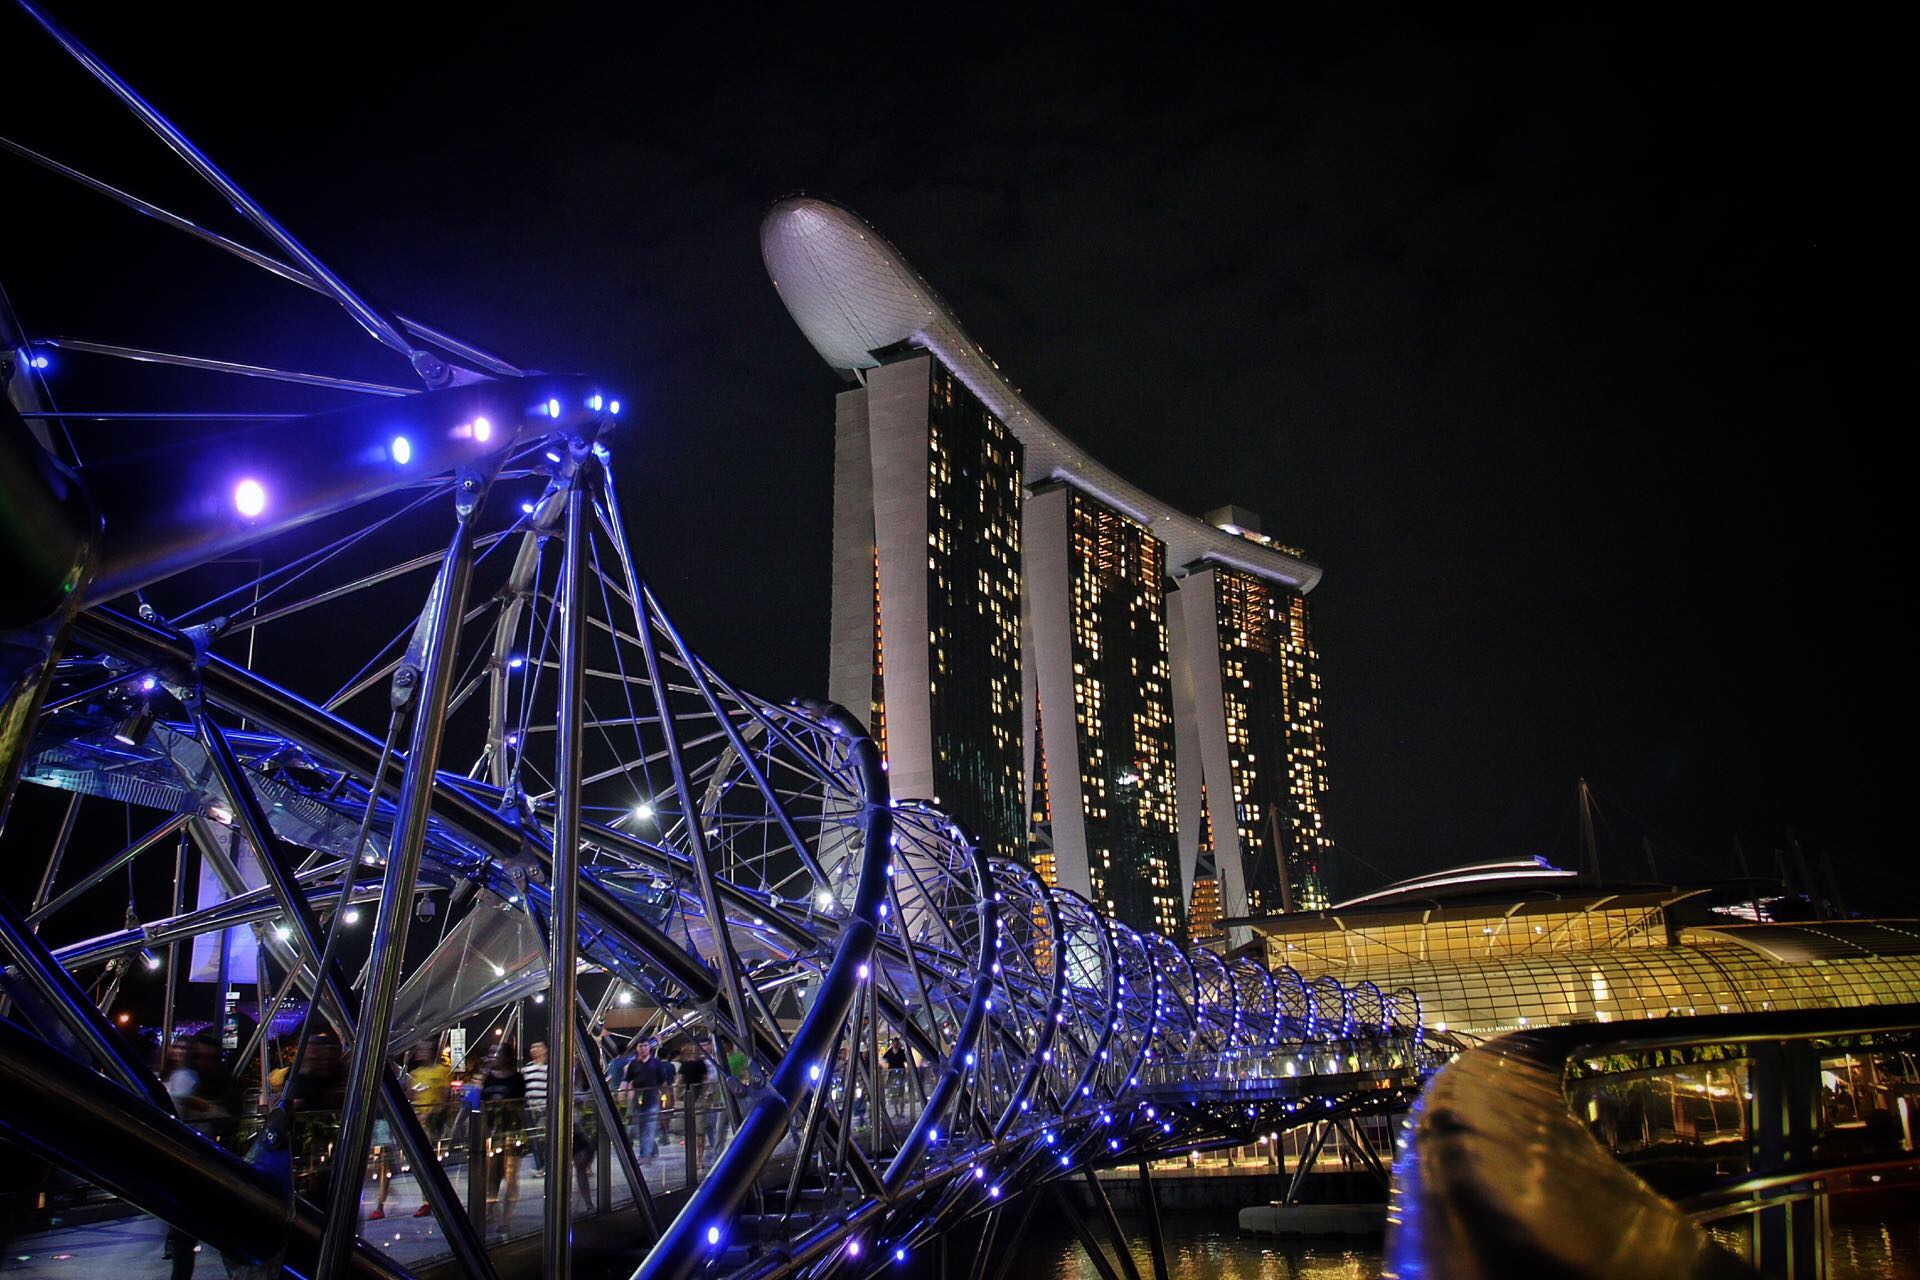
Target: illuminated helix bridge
(379,657)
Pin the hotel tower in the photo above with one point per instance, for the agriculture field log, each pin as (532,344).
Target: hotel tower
(1120,693)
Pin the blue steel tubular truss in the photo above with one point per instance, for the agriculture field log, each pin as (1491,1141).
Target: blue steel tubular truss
(443,690)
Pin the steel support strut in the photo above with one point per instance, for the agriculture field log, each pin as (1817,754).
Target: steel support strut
(52,872)
(726,960)
(433,648)
(431,370)
(1088,1243)
(615,1134)
(1150,1202)
(78,1119)
(166,828)
(331,992)
(1012,1249)
(702,1222)
(563,975)
(1789,1239)
(69,1006)
(1105,1206)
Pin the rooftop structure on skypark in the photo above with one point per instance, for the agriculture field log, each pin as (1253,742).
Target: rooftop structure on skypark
(1080,633)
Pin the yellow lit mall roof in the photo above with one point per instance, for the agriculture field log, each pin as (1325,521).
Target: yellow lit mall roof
(1802,942)
(1487,890)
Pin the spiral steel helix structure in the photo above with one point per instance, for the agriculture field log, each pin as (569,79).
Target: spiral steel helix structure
(443,692)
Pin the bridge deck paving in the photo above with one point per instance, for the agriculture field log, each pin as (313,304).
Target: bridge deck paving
(131,1247)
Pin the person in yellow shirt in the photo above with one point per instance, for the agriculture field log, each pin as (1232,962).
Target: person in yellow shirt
(430,1080)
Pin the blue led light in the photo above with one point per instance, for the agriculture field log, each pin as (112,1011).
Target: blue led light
(516,662)
(400,451)
(553,408)
(249,498)
(594,402)
(38,361)
(613,407)
(713,1235)
(899,1255)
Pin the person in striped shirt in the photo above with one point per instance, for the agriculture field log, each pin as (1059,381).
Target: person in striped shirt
(535,1074)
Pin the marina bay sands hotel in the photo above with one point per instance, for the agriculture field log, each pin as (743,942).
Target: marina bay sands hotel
(1121,694)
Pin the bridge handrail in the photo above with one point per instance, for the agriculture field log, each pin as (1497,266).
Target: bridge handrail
(1496,1174)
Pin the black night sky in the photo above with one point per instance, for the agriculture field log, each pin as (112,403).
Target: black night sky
(1545,335)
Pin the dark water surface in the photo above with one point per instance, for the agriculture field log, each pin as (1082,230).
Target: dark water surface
(1880,1251)
(1199,1247)
(1212,1247)
(1858,1250)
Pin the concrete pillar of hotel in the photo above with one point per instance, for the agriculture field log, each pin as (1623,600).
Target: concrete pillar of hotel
(897,406)
(850,636)
(1205,714)
(1029,689)
(1186,754)
(1044,554)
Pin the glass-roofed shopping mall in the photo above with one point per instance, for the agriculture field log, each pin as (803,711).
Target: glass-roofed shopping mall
(1509,945)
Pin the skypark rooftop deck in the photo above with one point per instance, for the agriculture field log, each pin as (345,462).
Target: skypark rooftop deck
(854,295)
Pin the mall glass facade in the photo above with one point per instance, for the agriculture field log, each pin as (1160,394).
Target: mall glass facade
(1487,969)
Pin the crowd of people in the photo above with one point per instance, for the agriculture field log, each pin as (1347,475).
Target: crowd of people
(694,1090)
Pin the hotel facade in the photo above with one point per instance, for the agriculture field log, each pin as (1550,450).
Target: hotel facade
(1122,694)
